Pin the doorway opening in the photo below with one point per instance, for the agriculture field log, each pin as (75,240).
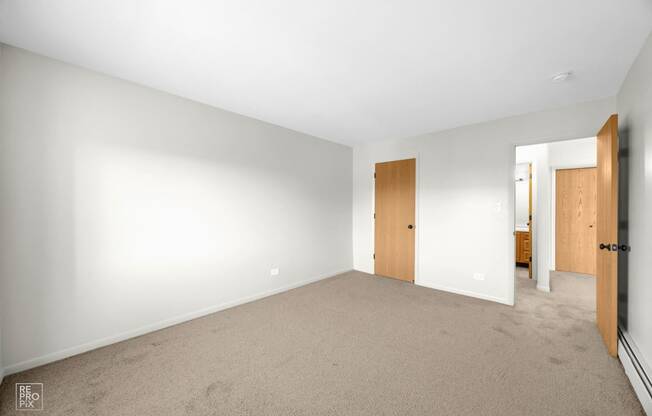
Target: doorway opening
(523,218)
(555,219)
(574,228)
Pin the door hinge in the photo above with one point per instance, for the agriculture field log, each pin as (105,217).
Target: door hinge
(374,256)
(374,215)
(615,247)
(530,259)
(374,175)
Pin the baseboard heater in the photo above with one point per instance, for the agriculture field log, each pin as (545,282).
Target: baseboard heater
(636,370)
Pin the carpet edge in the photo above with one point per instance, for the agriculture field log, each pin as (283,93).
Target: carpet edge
(143,330)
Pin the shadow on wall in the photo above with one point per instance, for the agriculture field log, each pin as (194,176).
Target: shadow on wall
(624,157)
(123,207)
(109,237)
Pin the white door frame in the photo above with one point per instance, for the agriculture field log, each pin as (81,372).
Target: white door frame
(511,212)
(417,225)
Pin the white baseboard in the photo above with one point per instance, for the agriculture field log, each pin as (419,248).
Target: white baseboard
(635,371)
(543,288)
(468,293)
(69,352)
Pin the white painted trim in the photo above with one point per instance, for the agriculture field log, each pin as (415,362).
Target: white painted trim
(543,288)
(469,293)
(573,165)
(632,374)
(511,213)
(552,261)
(417,204)
(417,219)
(512,225)
(69,352)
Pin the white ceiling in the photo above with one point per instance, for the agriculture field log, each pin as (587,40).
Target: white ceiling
(349,71)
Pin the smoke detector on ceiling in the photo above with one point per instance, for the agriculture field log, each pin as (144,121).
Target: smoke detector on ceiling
(562,76)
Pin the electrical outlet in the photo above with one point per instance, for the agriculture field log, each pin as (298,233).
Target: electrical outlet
(478,276)
(274,272)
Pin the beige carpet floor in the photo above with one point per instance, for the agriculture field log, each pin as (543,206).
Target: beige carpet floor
(355,344)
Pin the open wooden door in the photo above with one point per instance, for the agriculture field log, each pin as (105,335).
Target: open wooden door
(394,213)
(607,234)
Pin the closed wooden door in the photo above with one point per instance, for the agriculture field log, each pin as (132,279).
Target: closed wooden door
(607,235)
(394,215)
(575,218)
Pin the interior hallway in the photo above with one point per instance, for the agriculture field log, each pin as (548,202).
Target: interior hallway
(355,344)
(579,288)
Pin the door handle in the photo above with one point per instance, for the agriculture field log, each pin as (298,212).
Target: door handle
(410,227)
(610,247)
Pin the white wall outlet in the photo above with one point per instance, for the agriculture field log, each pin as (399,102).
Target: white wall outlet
(274,271)
(478,276)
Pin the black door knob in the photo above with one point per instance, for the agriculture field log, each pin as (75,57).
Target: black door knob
(410,226)
(603,246)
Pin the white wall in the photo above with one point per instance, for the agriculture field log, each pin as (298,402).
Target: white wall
(521,195)
(635,119)
(538,155)
(124,209)
(573,153)
(2,369)
(465,196)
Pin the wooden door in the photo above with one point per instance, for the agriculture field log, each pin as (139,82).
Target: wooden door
(575,218)
(394,214)
(607,235)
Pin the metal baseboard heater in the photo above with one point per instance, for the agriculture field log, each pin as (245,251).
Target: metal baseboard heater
(636,370)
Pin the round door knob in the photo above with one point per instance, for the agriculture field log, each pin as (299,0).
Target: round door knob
(410,226)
